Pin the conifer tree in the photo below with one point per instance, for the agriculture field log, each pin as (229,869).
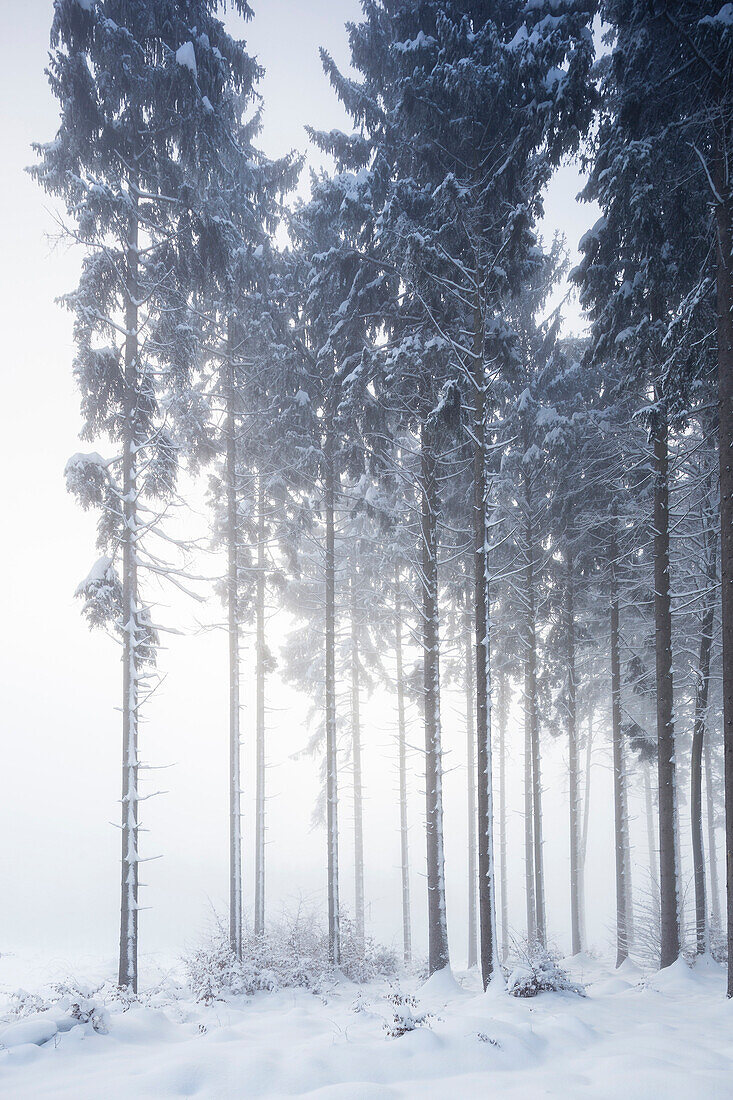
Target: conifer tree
(146,106)
(450,147)
(667,117)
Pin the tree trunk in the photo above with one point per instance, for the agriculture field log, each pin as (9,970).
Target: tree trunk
(503,700)
(356,770)
(618,770)
(334,938)
(668,870)
(470,792)
(532,729)
(261,658)
(490,961)
(651,835)
(725,443)
(698,739)
(712,846)
(232,536)
(586,819)
(401,739)
(681,897)
(528,816)
(130,621)
(438,957)
(628,884)
(575,932)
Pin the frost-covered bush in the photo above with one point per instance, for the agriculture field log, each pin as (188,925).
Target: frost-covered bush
(406,1016)
(540,972)
(292,952)
(646,942)
(23,1003)
(213,969)
(77,1003)
(718,943)
(363,962)
(86,1010)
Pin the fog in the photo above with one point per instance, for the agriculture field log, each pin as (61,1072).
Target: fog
(59,784)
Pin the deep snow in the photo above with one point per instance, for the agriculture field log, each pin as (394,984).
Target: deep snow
(634,1037)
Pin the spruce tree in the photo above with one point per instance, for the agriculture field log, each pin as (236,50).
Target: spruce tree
(464,107)
(145,98)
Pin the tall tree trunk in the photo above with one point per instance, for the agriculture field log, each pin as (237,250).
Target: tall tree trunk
(628,884)
(681,897)
(575,931)
(232,536)
(356,768)
(130,618)
(668,869)
(490,961)
(698,739)
(438,956)
(712,846)
(471,792)
(586,820)
(261,658)
(651,836)
(402,748)
(528,816)
(531,716)
(334,938)
(618,770)
(503,700)
(724,273)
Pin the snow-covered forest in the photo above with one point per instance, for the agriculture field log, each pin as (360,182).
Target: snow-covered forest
(438,492)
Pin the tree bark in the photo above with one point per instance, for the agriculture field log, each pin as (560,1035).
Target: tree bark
(232,537)
(356,769)
(130,618)
(698,739)
(712,846)
(628,883)
(528,816)
(438,956)
(586,819)
(503,699)
(668,870)
(575,930)
(334,937)
(651,835)
(724,280)
(490,961)
(531,722)
(261,658)
(402,749)
(470,792)
(618,770)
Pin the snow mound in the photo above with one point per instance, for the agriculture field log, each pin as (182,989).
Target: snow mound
(442,985)
(37,1030)
(390,1042)
(678,977)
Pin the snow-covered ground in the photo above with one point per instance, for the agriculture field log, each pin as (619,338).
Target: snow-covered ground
(633,1037)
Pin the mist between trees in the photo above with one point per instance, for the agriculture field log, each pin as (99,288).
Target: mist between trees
(400,446)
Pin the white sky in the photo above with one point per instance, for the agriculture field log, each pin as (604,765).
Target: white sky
(59,683)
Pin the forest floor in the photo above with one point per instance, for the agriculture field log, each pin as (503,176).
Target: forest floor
(634,1036)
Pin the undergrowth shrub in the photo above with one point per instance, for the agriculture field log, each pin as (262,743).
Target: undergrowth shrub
(81,1003)
(646,941)
(538,971)
(406,1016)
(292,952)
(718,943)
